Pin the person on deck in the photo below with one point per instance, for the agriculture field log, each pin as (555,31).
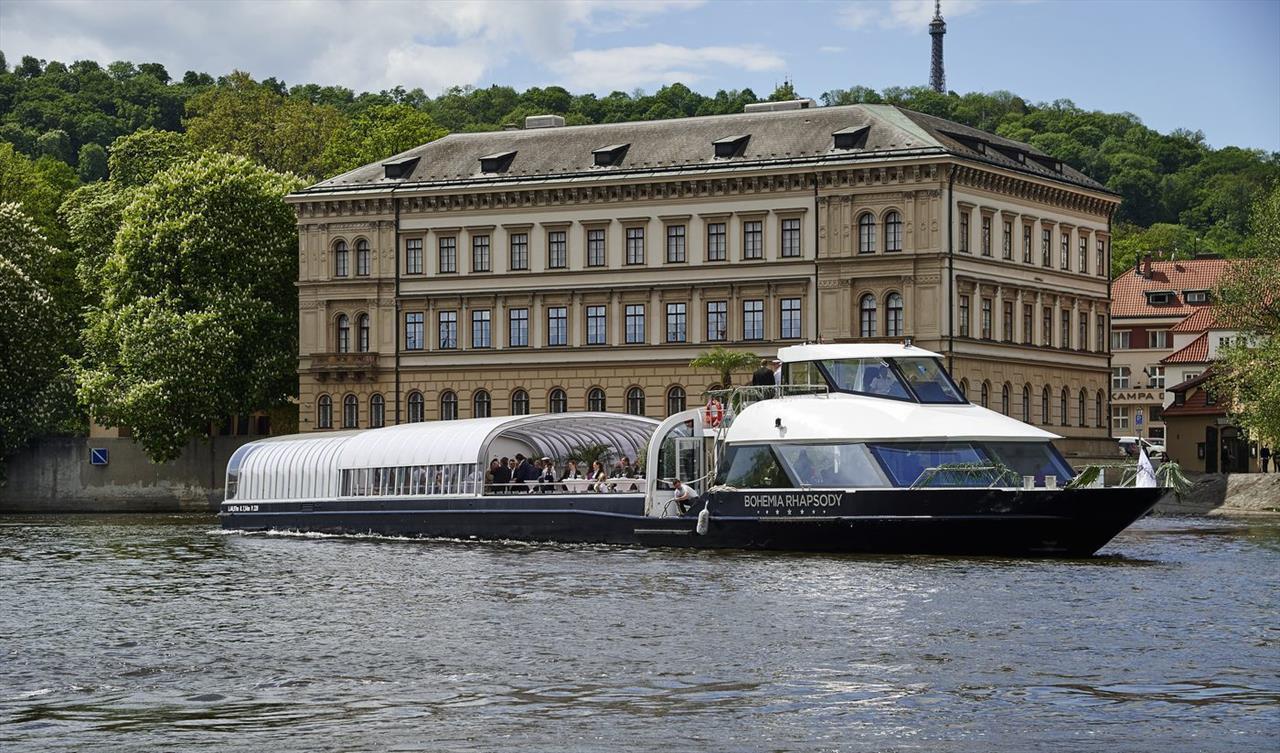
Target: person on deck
(502,477)
(763,376)
(684,496)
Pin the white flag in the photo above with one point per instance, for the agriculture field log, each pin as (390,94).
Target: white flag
(1146,474)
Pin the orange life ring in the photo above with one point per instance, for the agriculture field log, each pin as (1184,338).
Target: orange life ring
(713,414)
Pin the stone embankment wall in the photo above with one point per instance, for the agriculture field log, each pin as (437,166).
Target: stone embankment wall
(1234,494)
(55,475)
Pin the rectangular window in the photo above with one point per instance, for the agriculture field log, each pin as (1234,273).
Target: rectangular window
(1083,342)
(1026,244)
(1120,339)
(753,239)
(518,328)
(1047,334)
(596,325)
(1066,329)
(986,318)
(1100,321)
(964,316)
(717,321)
(675,244)
(635,245)
(1102,258)
(1084,256)
(557,249)
(635,323)
(1119,417)
(448,330)
(413,256)
(480,329)
(790,321)
(677,322)
(1006,249)
(753,320)
(1028,323)
(964,232)
(717,246)
(1158,338)
(1155,378)
(448,255)
(480,261)
(1119,377)
(519,251)
(1065,261)
(791,238)
(413,339)
(1007,321)
(595,247)
(1046,240)
(986,236)
(558,325)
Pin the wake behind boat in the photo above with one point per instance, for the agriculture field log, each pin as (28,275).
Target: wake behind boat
(862,448)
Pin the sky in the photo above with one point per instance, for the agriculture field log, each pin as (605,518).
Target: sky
(1212,66)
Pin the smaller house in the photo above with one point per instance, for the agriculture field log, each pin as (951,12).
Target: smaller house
(1199,434)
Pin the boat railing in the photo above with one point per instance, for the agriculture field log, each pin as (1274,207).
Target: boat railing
(968,475)
(733,400)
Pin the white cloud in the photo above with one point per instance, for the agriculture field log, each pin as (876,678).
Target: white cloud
(625,68)
(830,49)
(913,15)
(362,44)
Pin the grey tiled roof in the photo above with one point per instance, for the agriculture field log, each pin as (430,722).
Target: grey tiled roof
(685,145)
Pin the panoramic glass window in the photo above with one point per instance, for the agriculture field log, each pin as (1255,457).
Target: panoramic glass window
(928,381)
(872,376)
(1030,459)
(832,465)
(905,462)
(753,467)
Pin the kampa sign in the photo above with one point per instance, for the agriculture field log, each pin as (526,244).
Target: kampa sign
(1145,396)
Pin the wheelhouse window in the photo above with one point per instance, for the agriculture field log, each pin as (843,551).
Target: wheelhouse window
(481,404)
(362,258)
(596,400)
(377,411)
(790,238)
(866,233)
(324,412)
(520,403)
(867,316)
(417,408)
(920,379)
(350,412)
(448,405)
(675,400)
(341,259)
(893,232)
(635,401)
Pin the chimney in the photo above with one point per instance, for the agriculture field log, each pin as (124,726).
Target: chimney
(1146,266)
(543,121)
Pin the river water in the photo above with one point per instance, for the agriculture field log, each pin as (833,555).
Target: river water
(140,633)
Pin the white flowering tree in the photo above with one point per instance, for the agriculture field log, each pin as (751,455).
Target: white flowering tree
(32,333)
(198,314)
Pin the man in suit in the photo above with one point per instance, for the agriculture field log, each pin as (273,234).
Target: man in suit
(763,376)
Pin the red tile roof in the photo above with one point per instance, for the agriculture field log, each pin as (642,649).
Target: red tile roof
(1128,291)
(1197,351)
(1201,320)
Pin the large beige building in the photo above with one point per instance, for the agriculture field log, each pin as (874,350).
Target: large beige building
(555,268)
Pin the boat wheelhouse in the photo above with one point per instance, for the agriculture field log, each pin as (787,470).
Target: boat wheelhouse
(868,447)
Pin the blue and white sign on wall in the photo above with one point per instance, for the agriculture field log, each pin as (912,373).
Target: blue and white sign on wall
(98,456)
(1137,419)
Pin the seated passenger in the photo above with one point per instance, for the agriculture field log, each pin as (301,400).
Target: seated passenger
(684,496)
(547,477)
(597,477)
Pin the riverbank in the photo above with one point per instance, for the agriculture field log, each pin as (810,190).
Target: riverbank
(1238,494)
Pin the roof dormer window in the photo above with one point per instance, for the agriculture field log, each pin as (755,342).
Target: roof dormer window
(497,163)
(401,169)
(853,137)
(1195,296)
(610,156)
(1159,297)
(731,146)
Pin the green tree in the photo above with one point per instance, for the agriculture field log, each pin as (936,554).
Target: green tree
(92,216)
(56,144)
(198,318)
(724,362)
(92,163)
(377,133)
(137,158)
(1248,302)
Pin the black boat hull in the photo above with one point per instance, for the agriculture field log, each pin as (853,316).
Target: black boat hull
(1061,523)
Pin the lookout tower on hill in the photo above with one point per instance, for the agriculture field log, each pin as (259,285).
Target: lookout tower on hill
(937,28)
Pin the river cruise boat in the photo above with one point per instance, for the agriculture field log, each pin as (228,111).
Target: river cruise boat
(862,448)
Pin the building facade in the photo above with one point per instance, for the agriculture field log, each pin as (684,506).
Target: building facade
(582,268)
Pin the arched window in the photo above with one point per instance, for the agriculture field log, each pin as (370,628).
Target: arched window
(1084,397)
(675,400)
(324,412)
(481,404)
(867,233)
(986,394)
(1098,400)
(964,388)
(417,408)
(1026,403)
(362,257)
(867,316)
(362,333)
(893,315)
(1044,406)
(519,403)
(596,399)
(350,412)
(377,411)
(341,259)
(344,334)
(1063,399)
(1004,399)
(893,232)
(448,405)
(635,401)
(557,401)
